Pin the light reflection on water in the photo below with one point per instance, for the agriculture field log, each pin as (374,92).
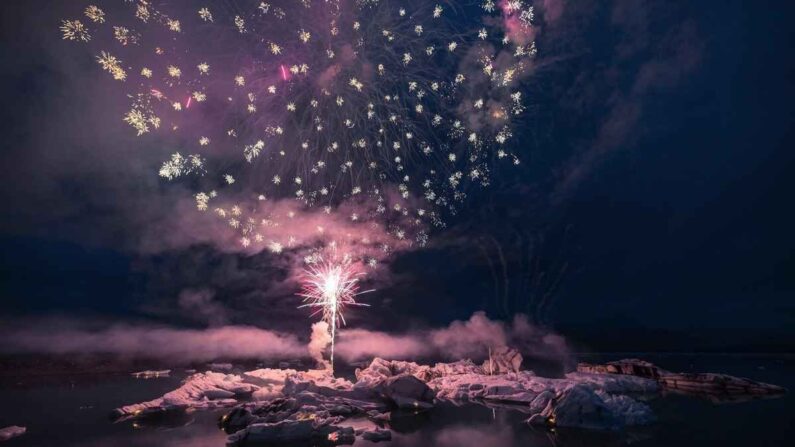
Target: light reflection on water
(75,412)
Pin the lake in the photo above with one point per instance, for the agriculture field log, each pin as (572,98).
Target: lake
(72,410)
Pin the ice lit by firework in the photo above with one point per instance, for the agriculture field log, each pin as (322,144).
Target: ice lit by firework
(329,288)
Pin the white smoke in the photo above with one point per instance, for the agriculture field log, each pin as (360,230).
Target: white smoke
(318,342)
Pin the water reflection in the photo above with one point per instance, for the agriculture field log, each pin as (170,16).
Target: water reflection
(165,420)
(477,426)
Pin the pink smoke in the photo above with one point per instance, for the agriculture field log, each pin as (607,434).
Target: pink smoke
(163,343)
(461,339)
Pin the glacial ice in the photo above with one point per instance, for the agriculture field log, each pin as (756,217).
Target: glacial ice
(11,432)
(287,405)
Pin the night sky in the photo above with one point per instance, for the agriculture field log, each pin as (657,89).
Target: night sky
(653,210)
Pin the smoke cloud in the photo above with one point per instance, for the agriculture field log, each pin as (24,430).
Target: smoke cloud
(318,343)
(175,345)
(471,338)
(201,304)
(460,339)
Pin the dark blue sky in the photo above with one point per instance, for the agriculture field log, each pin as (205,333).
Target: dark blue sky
(691,226)
(657,189)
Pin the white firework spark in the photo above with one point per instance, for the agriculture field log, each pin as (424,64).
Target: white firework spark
(329,288)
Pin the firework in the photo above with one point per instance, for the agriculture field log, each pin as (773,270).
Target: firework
(329,288)
(374,117)
(401,106)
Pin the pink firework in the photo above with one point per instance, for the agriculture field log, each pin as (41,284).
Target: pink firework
(329,288)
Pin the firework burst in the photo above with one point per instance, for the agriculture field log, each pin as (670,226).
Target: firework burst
(368,120)
(329,288)
(400,107)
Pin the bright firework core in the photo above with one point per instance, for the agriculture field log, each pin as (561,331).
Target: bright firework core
(329,288)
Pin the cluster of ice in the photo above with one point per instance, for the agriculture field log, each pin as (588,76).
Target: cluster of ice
(314,405)
(503,360)
(595,401)
(380,369)
(11,432)
(286,405)
(201,390)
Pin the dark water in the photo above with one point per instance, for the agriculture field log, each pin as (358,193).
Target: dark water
(73,411)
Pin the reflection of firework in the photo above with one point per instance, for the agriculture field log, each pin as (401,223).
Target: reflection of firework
(328,288)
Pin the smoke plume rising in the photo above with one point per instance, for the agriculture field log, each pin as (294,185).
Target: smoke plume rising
(318,343)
